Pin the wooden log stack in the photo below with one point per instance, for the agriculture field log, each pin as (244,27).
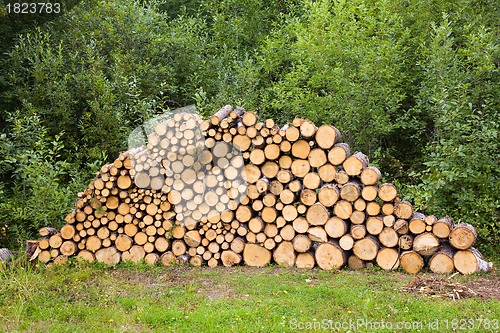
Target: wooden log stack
(234,190)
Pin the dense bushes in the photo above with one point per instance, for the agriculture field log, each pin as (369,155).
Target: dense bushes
(414,84)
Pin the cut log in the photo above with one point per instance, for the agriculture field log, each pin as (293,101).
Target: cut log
(135,254)
(411,262)
(366,248)
(317,157)
(47,231)
(151,258)
(388,259)
(354,164)
(109,255)
(426,244)
(123,243)
(230,258)
(442,261)
(343,209)
(388,237)
(317,214)
(338,154)
(307,197)
(85,255)
(68,248)
(443,227)
(284,254)
(346,242)
(305,260)
(358,231)
(355,263)
(221,114)
(387,192)
(300,224)
(327,136)
(471,261)
(5,256)
(330,256)
(256,255)
(369,193)
(55,241)
(417,223)
(327,173)
(335,227)
(307,129)
(462,236)
(374,225)
(350,191)
(67,231)
(168,259)
(403,209)
(405,242)
(301,243)
(328,195)
(301,149)
(370,175)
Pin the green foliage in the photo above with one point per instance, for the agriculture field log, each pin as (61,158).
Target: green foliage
(42,186)
(460,91)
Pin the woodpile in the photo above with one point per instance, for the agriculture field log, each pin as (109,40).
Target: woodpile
(235,190)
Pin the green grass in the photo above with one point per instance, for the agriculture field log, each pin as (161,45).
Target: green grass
(137,298)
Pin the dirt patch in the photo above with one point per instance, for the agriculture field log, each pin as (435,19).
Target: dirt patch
(431,286)
(487,288)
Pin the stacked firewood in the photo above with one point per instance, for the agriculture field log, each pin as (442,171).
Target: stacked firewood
(231,190)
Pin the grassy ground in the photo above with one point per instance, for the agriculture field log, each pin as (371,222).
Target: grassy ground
(137,298)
